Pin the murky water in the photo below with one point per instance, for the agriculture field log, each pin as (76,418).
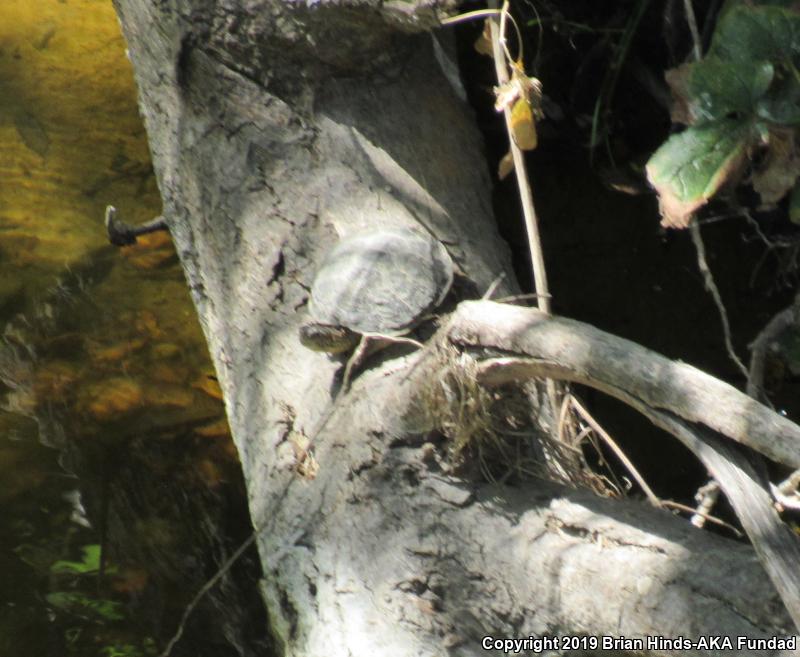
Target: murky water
(117,474)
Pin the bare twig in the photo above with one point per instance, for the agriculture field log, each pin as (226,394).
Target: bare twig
(569,350)
(513,298)
(211,583)
(493,287)
(525,193)
(786,493)
(205,589)
(367,345)
(697,46)
(598,429)
(670,504)
(713,290)
(674,396)
(706,497)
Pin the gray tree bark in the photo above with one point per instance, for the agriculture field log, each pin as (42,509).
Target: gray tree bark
(275,128)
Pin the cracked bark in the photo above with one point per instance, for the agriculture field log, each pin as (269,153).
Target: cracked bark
(274,128)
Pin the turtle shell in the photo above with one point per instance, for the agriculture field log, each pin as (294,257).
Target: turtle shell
(381,281)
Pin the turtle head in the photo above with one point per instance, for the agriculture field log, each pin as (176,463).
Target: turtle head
(328,337)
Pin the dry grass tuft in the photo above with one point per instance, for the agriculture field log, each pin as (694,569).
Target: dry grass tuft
(503,433)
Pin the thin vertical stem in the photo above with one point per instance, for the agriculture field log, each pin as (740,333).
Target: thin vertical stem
(526,196)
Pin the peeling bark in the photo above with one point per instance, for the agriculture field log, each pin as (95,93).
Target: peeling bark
(276,127)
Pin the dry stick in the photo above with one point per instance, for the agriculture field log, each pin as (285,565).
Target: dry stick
(711,286)
(692,20)
(468,16)
(708,276)
(654,499)
(523,184)
(525,194)
(785,493)
(555,465)
(777,547)
(515,297)
(362,351)
(661,390)
(671,504)
(587,432)
(706,498)
(579,352)
(493,287)
(203,590)
(211,583)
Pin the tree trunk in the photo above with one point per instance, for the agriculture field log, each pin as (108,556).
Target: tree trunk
(277,127)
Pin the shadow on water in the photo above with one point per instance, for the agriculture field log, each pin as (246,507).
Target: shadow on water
(121,490)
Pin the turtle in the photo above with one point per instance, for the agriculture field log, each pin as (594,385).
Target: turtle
(381,281)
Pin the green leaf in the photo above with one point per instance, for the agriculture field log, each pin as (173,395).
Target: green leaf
(77,603)
(719,88)
(89,564)
(747,33)
(782,104)
(690,167)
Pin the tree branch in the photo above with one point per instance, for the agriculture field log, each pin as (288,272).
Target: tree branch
(569,350)
(666,392)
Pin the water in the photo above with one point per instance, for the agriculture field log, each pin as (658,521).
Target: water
(120,490)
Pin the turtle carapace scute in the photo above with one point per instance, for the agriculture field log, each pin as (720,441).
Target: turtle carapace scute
(381,281)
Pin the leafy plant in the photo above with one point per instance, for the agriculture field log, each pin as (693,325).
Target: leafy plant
(130,650)
(84,606)
(744,94)
(89,564)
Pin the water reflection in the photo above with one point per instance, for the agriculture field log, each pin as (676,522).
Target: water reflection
(121,491)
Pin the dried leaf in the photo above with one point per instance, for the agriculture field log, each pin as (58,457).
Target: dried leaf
(519,86)
(506,166)
(780,169)
(530,87)
(523,95)
(506,95)
(483,44)
(523,125)
(678,81)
